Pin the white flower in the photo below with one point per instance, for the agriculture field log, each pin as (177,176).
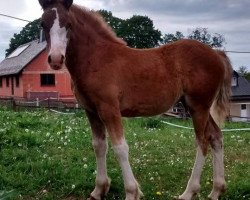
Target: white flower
(73,186)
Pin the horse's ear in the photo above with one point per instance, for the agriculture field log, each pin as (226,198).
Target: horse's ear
(45,3)
(68,3)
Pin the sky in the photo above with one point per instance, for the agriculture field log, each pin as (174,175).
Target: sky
(231,18)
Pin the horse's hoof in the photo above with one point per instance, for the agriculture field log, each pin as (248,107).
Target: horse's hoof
(91,198)
(177,198)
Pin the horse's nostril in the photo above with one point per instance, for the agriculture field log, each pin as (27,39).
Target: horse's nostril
(62,59)
(49,59)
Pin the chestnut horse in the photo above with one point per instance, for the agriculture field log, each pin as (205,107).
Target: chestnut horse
(112,81)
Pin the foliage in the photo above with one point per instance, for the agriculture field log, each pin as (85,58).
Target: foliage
(114,22)
(139,32)
(200,34)
(248,76)
(28,33)
(244,72)
(170,37)
(49,156)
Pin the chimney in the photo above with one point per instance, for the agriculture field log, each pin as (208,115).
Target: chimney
(42,36)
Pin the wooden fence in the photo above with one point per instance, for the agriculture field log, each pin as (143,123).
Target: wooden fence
(71,105)
(48,103)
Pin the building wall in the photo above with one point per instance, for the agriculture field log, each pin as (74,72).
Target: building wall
(29,80)
(248,111)
(236,111)
(7,91)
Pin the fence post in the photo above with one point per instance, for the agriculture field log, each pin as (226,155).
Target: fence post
(13,104)
(37,102)
(49,103)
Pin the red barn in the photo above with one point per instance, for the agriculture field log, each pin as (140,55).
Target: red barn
(26,74)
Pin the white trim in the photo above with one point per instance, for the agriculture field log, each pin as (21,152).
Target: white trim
(47,72)
(239,103)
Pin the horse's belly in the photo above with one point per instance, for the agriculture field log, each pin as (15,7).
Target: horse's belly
(147,105)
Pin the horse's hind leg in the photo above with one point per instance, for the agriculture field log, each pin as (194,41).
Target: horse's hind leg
(200,119)
(100,147)
(216,142)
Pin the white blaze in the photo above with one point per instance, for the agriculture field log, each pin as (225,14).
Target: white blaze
(58,37)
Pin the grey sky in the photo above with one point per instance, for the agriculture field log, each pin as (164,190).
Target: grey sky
(230,18)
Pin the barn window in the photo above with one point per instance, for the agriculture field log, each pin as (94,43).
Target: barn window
(17,81)
(1,82)
(7,81)
(47,79)
(243,106)
(234,81)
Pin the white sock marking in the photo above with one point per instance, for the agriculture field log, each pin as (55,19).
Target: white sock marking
(130,183)
(193,185)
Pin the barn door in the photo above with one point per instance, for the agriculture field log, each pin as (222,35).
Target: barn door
(12,85)
(243,112)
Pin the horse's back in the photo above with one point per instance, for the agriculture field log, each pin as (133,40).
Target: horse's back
(154,79)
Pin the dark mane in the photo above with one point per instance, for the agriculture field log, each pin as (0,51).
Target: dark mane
(94,19)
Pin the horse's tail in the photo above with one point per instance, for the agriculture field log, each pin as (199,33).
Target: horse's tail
(221,106)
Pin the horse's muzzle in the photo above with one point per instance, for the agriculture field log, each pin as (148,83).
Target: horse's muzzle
(56,61)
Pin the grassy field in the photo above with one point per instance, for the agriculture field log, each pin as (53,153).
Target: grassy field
(47,156)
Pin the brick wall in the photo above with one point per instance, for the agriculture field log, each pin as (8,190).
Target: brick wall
(29,80)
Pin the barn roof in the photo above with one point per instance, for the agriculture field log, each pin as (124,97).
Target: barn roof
(15,62)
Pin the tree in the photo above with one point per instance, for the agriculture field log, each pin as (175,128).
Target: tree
(139,32)
(28,33)
(113,21)
(242,70)
(170,37)
(248,76)
(200,34)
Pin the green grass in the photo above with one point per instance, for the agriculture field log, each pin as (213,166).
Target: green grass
(47,156)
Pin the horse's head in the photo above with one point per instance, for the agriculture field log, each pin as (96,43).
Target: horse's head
(56,25)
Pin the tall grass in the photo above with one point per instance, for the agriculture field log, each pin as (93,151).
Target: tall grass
(49,156)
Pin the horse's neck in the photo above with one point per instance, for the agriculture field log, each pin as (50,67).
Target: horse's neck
(85,41)
(80,46)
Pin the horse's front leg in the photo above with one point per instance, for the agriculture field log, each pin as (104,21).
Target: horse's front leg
(112,119)
(100,147)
